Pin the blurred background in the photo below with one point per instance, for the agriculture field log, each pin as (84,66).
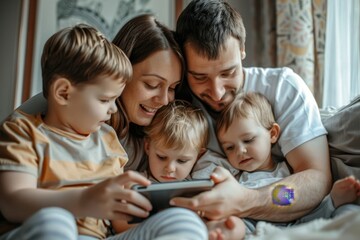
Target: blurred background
(318,39)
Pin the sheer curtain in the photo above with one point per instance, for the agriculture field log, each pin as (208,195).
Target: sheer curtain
(342,53)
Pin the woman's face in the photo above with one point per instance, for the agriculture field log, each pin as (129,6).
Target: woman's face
(153,86)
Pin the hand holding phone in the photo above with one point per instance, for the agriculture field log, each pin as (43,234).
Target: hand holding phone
(160,194)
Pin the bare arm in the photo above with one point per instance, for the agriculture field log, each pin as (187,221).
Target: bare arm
(311,181)
(20,198)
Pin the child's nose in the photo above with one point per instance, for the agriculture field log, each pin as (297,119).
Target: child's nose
(170,167)
(242,149)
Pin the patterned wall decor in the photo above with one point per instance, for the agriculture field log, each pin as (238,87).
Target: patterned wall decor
(300,28)
(106,15)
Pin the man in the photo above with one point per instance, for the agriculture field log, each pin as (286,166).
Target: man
(212,35)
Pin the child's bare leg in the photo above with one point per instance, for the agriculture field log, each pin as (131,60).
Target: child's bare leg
(226,229)
(345,190)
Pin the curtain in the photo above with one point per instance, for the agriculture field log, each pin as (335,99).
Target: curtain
(342,53)
(264,33)
(300,33)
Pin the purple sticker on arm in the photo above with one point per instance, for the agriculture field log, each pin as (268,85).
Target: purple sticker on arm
(282,195)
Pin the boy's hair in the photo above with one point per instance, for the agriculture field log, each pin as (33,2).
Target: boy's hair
(247,105)
(81,54)
(207,24)
(179,125)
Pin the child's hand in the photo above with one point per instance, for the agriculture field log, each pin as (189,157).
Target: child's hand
(112,198)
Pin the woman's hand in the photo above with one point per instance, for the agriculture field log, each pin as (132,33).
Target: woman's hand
(222,201)
(113,198)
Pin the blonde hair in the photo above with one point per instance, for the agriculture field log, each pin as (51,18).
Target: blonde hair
(82,54)
(247,105)
(179,125)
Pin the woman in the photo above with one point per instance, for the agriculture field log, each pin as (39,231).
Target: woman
(158,68)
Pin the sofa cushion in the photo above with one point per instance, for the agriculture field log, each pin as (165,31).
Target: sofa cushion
(344,140)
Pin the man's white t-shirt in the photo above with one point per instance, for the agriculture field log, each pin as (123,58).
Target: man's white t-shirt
(294,108)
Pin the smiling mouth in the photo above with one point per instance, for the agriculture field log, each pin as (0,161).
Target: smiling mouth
(215,106)
(148,109)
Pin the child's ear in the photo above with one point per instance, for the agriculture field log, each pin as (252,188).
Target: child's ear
(274,132)
(60,90)
(243,54)
(147,145)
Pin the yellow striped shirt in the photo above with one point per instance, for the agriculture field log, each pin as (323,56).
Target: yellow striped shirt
(60,159)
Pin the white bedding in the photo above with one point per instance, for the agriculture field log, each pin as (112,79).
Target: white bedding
(344,227)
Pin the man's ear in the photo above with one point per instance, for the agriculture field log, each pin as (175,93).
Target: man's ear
(60,90)
(274,132)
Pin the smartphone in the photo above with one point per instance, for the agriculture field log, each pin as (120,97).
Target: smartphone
(160,194)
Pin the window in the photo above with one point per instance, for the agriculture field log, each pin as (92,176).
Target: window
(342,53)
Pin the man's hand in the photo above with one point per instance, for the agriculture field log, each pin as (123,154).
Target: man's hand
(222,201)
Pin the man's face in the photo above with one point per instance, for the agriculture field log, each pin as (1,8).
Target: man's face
(215,82)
